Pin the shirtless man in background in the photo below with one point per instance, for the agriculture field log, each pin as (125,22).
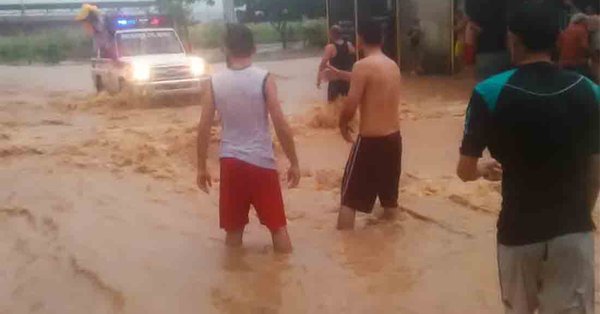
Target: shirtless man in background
(374,166)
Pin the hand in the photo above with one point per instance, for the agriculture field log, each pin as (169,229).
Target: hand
(293,176)
(319,84)
(331,72)
(204,180)
(490,170)
(347,131)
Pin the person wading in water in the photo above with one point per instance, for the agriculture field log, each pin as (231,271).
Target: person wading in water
(339,53)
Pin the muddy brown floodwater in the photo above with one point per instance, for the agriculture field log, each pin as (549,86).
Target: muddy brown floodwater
(99,212)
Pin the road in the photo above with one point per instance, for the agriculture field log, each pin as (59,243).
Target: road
(99,212)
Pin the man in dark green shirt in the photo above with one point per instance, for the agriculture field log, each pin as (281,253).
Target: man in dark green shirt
(541,126)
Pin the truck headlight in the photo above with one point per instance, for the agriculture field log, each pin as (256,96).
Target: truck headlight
(198,67)
(141,71)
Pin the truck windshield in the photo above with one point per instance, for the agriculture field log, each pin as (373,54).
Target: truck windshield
(148,43)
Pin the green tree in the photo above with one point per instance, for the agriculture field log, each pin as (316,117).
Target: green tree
(280,12)
(179,11)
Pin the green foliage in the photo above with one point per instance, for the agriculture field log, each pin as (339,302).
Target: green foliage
(273,9)
(57,45)
(180,13)
(315,33)
(265,33)
(280,12)
(210,35)
(47,46)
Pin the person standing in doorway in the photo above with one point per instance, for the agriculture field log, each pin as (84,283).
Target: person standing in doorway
(541,126)
(460,27)
(339,53)
(472,32)
(491,53)
(574,46)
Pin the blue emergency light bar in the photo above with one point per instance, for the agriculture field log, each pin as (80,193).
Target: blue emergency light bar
(132,22)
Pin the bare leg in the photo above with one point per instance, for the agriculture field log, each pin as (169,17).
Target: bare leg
(390,213)
(393,213)
(346,218)
(234,239)
(281,241)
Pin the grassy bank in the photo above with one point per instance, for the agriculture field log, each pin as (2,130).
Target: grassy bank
(48,47)
(53,46)
(312,33)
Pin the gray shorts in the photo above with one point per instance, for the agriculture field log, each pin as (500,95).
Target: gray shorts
(552,277)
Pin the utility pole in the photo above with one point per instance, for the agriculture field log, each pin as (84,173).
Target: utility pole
(229,11)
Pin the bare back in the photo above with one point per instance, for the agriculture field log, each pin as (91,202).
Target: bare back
(380,79)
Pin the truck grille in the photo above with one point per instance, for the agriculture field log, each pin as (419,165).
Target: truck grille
(179,72)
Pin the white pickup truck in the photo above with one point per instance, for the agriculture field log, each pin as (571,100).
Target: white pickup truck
(149,62)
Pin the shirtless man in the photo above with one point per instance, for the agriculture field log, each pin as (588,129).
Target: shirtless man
(374,166)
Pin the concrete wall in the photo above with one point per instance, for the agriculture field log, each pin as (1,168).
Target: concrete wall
(434,20)
(202,12)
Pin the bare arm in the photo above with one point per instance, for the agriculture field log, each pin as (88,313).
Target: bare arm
(339,74)
(208,115)
(594,181)
(283,131)
(327,55)
(358,81)
(475,28)
(467,168)
(470,165)
(460,26)
(351,48)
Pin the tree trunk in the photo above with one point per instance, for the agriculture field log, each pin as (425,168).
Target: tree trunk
(284,34)
(229,11)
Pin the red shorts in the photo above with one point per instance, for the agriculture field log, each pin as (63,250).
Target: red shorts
(469,54)
(242,185)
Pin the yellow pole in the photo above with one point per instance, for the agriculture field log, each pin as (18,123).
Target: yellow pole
(453,39)
(356,27)
(327,14)
(398,35)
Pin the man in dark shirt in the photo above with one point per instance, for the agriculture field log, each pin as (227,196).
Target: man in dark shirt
(490,16)
(541,126)
(339,53)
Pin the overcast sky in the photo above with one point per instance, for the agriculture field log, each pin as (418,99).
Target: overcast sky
(198,7)
(217,6)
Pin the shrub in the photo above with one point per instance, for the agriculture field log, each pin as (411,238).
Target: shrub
(53,46)
(315,33)
(209,35)
(46,46)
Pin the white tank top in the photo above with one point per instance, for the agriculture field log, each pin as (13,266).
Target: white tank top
(239,97)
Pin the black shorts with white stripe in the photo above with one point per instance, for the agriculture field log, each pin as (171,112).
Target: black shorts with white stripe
(373,170)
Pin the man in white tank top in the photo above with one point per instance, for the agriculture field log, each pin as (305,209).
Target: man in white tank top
(245,97)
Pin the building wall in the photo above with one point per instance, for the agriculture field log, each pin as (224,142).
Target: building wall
(433,20)
(202,12)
